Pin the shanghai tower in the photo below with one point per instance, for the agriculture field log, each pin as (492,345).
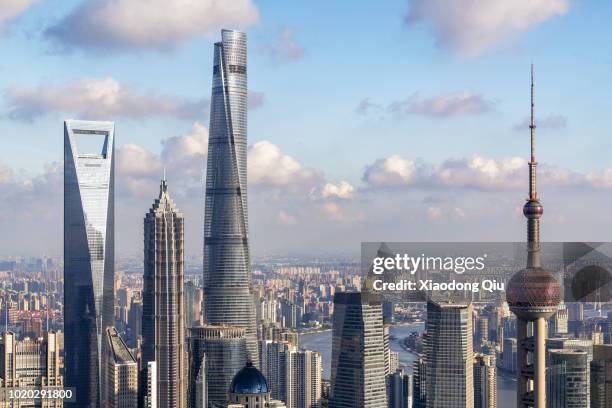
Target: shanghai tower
(88,254)
(228,286)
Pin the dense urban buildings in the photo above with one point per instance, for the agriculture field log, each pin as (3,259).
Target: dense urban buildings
(89,241)
(358,356)
(30,363)
(121,373)
(533,295)
(449,355)
(228,290)
(163,319)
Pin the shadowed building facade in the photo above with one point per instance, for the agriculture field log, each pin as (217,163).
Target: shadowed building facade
(228,291)
(163,320)
(358,356)
(88,254)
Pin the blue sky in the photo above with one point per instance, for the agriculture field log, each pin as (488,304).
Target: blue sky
(437,86)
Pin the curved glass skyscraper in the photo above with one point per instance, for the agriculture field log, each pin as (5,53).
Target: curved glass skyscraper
(88,253)
(227,272)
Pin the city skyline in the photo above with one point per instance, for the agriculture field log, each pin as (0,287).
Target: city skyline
(445,140)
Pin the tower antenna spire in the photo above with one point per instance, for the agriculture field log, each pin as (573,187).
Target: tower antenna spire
(533,193)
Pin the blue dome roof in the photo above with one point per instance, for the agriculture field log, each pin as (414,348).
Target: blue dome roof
(249,380)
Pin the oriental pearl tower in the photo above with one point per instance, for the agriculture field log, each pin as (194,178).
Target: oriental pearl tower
(533,296)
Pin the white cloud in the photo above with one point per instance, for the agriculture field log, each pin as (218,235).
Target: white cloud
(392,171)
(286,219)
(470,27)
(9,9)
(476,172)
(256,100)
(601,179)
(268,166)
(285,47)
(97,98)
(158,24)
(340,190)
(453,104)
(552,122)
(434,213)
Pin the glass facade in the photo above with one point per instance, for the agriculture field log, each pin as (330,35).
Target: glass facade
(228,292)
(449,356)
(88,253)
(358,356)
(222,348)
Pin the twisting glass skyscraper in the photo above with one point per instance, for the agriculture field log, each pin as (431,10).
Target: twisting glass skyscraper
(88,253)
(163,319)
(228,288)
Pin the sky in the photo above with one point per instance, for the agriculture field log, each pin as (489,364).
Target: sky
(402,122)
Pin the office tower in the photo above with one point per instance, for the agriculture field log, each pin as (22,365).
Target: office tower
(601,376)
(485,381)
(449,355)
(419,383)
(393,361)
(509,355)
(481,334)
(568,381)
(294,376)
(33,364)
(89,247)
(163,319)
(249,388)
(399,389)
(135,320)
(225,350)
(121,373)
(533,296)
(193,305)
(150,395)
(358,355)
(228,285)
(558,322)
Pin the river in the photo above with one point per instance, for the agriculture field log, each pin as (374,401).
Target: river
(321,342)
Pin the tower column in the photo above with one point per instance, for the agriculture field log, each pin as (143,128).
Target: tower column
(540,363)
(521,357)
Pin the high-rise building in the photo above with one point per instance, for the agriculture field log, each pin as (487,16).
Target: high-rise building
(228,285)
(225,349)
(193,305)
(568,381)
(419,383)
(533,295)
(399,389)
(89,246)
(150,395)
(601,376)
(449,355)
(358,355)
(121,373)
(509,355)
(481,332)
(163,319)
(294,375)
(30,363)
(485,381)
